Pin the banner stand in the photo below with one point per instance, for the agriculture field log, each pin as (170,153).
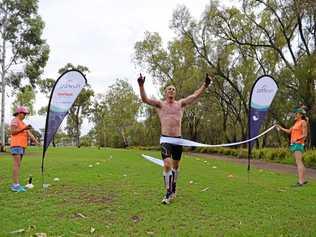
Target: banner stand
(261,96)
(64,93)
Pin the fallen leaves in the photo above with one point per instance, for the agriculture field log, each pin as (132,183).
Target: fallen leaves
(205,189)
(92,230)
(80,215)
(136,219)
(40,235)
(19,231)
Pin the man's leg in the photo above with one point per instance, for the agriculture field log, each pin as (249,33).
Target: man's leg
(175,173)
(167,171)
(176,155)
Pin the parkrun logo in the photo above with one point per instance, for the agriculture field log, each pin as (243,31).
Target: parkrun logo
(264,89)
(69,86)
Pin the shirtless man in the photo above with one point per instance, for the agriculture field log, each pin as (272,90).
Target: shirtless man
(170,112)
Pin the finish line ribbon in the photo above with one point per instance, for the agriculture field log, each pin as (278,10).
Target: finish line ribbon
(153,160)
(185,142)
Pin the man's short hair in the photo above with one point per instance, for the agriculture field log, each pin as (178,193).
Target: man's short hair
(167,85)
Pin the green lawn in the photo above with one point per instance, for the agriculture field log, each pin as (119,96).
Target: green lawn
(121,197)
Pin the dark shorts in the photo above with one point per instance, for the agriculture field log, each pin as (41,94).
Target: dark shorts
(17,150)
(171,151)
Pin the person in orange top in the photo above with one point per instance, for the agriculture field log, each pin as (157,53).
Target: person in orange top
(20,133)
(298,135)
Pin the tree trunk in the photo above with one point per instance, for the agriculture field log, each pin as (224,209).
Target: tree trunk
(312,133)
(3,91)
(312,127)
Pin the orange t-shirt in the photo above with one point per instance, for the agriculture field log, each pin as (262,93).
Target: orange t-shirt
(297,132)
(21,138)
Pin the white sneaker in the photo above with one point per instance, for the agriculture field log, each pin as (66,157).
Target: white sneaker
(166,199)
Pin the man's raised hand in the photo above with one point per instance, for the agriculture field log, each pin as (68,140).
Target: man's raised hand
(141,80)
(208,79)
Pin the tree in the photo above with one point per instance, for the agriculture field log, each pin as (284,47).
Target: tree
(123,107)
(115,115)
(26,97)
(234,72)
(181,65)
(80,108)
(284,31)
(23,53)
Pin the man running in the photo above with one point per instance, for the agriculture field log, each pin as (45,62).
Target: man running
(170,112)
(20,132)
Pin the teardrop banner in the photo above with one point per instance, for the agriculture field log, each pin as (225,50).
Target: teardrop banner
(65,91)
(261,97)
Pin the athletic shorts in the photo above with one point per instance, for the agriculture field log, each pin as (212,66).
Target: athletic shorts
(17,150)
(297,147)
(171,150)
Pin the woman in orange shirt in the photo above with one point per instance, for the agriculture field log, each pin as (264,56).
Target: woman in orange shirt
(298,135)
(19,139)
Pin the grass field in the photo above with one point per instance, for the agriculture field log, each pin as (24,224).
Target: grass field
(121,197)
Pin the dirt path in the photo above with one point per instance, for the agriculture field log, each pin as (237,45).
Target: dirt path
(259,164)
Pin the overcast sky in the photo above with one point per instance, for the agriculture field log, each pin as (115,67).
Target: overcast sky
(101,34)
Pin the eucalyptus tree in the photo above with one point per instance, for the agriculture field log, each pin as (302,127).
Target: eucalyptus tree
(283,36)
(23,51)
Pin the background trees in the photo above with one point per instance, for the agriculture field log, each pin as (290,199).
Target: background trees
(23,52)
(115,115)
(237,45)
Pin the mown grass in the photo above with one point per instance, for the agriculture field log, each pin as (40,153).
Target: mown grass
(121,197)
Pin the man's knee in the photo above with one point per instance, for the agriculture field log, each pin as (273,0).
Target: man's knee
(167,163)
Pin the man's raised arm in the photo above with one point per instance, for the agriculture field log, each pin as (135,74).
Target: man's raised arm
(145,99)
(192,98)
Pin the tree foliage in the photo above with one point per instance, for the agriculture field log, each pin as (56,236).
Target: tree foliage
(115,115)
(23,51)
(236,44)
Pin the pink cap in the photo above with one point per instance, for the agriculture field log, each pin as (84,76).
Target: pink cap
(21,109)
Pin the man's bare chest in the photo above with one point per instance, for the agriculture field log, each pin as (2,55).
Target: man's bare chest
(171,109)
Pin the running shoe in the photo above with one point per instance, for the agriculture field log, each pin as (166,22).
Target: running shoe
(167,198)
(17,188)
